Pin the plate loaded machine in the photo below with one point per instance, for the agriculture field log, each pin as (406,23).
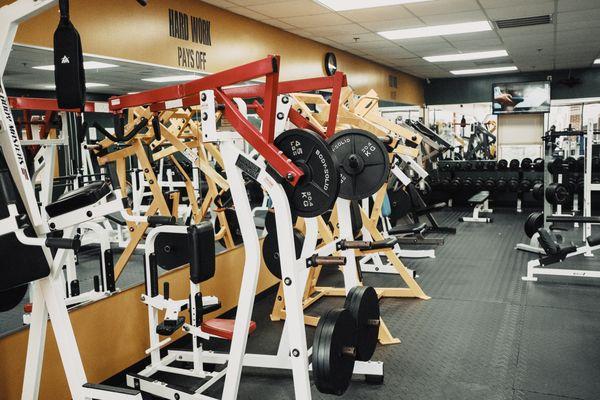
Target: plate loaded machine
(26,233)
(309,191)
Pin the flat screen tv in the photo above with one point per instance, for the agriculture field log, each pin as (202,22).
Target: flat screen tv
(521,97)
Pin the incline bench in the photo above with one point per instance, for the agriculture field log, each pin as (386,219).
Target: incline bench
(480,202)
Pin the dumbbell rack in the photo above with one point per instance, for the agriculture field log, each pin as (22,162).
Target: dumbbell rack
(588,186)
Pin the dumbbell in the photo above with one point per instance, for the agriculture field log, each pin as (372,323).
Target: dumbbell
(446,185)
(479,165)
(467,166)
(514,164)
(558,165)
(455,185)
(501,185)
(580,164)
(444,166)
(571,164)
(557,193)
(513,184)
(467,184)
(571,184)
(580,185)
(526,164)
(538,190)
(489,184)
(538,165)
(478,184)
(502,165)
(525,185)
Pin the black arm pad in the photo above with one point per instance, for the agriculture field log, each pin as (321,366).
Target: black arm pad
(155,220)
(7,188)
(201,240)
(64,243)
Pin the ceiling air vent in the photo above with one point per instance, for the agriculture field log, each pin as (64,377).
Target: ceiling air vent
(525,21)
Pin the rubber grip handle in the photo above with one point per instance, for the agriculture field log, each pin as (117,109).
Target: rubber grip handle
(353,244)
(63,243)
(155,220)
(325,261)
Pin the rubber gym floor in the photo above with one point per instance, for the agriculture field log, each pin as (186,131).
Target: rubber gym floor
(485,334)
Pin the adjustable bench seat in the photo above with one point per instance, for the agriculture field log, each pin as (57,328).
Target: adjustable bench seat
(408,229)
(480,203)
(223,328)
(479,198)
(78,198)
(554,251)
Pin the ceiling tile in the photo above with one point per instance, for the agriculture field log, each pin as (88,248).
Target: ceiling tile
(221,3)
(520,11)
(315,20)
(327,30)
(525,31)
(477,45)
(507,3)
(441,7)
(254,2)
(362,38)
(570,5)
(579,16)
(454,18)
(377,14)
(277,23)
(295,8)
(389,25)
(248,13)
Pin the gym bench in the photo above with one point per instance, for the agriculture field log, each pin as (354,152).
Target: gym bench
(480,202)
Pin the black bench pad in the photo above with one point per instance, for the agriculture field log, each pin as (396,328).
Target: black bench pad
(594,240)
(479,197)
(78,198)
(411,228)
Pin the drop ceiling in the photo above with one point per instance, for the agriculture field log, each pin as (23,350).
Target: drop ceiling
(572,40)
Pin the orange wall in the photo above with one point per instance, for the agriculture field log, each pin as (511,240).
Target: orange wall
(123,29)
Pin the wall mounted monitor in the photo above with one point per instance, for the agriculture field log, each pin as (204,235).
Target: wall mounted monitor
(521,97)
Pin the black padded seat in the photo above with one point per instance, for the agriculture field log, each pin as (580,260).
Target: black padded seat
(479,198)
(594,240)
(78,198)
(419,227)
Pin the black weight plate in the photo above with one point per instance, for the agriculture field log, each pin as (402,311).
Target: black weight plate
(538,164)
(533,223)
(400,204)
(332,366)
(526,163)
(270,225)
(270,251)
(363,304)
(318,189)
(538,191)
(11,298)
(234,227)
(363,163)
(557,193)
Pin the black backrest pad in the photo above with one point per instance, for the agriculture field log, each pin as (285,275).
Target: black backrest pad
(69,74)
(201,239)
(548,242)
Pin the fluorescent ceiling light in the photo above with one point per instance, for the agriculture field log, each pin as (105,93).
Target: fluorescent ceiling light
(86,65)
(483,70)
(174,78)
(597,61)
(87,85)
(345,5)
(480,55)
(437,30)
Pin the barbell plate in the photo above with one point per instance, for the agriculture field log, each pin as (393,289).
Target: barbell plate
(332,360)
(317,191)
(270,251)
(363,304)
(363,163)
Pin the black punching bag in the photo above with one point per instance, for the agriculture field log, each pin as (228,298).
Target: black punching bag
(69,75)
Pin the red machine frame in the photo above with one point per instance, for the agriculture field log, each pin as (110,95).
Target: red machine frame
(187,94)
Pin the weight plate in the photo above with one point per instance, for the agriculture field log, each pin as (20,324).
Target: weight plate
(538,191)
(363,304)
(363,163)
(11,298)
(557,193)
(400,204)
(270,225)
(270,251)
(334,351)
(317,190)
(234,227)
(533,223)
